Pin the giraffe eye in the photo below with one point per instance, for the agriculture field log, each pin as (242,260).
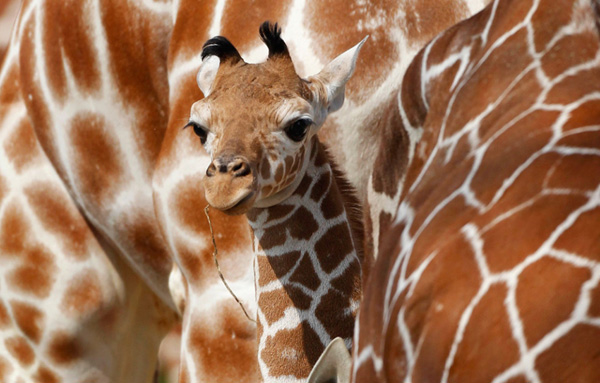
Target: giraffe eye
(199,130)
(297,129)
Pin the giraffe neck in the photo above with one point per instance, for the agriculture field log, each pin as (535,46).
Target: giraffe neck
(306,264)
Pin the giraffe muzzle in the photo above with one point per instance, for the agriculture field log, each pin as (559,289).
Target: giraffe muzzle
(229,185)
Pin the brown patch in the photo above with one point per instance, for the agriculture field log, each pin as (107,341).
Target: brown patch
(547,21)
(45,375)
(477,359)
(305,274)
(583,237)
(304,185)
(21,147)
(546,295)
(35,275)
(337,322)
(556,61)
(386,178)
(333,246)
(20,349)
(265,169)
(147,241)
(5,369)
(585,114)
(139,68)
(433,311)
(510,150)
(224,345)
(84,294)
(321,187)
(301,225)
(505,246)
(57,213)
(574,87)
(576,172)
(279,173)
(276,267)
(76,42)
(279,211)
(574,355)
(13,230)
(274,303)
(99,168)
(520,98)
(4,318)
(29,319)
(518,379)
(288,353)
(64,348)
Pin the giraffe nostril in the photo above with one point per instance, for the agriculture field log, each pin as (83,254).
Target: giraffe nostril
(211,170)
(241,169)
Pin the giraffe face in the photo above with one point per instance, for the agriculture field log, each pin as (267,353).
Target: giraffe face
(257,121)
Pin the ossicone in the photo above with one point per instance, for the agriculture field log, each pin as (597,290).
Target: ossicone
(222,48)
(270,34)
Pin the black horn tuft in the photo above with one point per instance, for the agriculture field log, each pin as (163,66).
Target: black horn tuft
(271,36)
(222,48)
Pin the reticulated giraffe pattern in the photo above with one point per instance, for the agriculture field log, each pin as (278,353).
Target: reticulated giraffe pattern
(488,264)
(91,93)
(307,272)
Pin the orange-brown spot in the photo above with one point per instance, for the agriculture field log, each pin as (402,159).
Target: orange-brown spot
(99,168)
(477,359)
(13,230)
(583,237)
(143,234)
(434,309)
(45,375)
(4,318)
(225,345)
(64,348)
(5,369)
(505,246)
(57,213)
(20,350)
(555,61)
(29,319)
(84,294)
(576,172)
(22,147)
(573,355)
(540,306)
(35,274)
(284,354)
(510,150)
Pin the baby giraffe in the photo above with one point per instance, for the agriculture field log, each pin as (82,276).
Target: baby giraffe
(259,123)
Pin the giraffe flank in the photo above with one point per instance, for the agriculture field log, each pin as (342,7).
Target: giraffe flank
(258,123)
(489,260)
(92,96)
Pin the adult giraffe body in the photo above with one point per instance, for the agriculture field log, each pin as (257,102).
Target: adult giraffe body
(489,259)
(90,93)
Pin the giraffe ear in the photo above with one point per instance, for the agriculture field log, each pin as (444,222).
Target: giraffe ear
(333,365)
(336,74)
(207,73)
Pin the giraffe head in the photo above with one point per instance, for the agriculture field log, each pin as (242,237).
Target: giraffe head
(257,121)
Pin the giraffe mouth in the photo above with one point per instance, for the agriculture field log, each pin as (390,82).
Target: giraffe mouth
(242,205)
